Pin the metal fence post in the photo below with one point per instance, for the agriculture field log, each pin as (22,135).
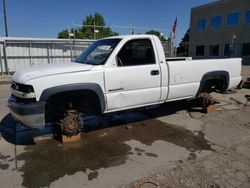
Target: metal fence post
(5,57)
(30,46)
(51,52)
(48,56)
(1,62)
(74,47)
(71,54)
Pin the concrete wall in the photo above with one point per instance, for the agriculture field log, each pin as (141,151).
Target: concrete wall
(224,34)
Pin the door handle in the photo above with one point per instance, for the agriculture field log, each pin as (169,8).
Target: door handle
(155,72)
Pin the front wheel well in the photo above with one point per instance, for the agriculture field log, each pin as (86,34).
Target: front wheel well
(85,101)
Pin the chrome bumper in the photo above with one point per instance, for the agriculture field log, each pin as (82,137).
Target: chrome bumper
(31,115)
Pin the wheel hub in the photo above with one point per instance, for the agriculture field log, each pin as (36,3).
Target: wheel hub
(71,124)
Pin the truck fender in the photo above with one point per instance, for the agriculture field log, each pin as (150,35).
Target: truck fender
(212,74)
(47,93)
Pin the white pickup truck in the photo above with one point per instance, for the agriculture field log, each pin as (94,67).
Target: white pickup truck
(113,74)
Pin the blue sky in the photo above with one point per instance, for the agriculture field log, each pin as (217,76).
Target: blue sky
(45,18)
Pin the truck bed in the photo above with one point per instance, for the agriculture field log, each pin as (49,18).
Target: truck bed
(185,76)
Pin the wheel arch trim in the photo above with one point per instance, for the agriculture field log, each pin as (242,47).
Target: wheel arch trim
(47,93)
(214,74)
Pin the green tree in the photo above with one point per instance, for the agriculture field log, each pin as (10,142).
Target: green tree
(156,33)
(63,34)
(182,50)
(87,32)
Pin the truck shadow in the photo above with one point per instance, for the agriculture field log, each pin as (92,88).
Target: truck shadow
(102,144)
(17,134)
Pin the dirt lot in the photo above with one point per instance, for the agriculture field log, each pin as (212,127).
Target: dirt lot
(168,146)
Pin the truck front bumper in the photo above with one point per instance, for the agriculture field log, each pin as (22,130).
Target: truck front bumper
(30,115)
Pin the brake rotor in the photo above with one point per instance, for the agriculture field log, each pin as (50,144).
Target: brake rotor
(71,124)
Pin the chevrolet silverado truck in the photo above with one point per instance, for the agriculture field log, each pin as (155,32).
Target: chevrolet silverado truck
(113,74)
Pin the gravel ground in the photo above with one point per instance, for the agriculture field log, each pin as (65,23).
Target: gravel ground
(228,168)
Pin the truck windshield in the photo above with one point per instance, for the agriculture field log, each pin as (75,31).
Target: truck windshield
(98,52)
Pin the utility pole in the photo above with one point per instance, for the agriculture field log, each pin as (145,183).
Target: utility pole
(5,18)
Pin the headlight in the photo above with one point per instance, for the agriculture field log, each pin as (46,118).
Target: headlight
(22,88)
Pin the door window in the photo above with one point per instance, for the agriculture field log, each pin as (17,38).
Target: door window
(136,52)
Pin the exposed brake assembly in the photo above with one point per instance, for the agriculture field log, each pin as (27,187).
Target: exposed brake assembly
(71,124)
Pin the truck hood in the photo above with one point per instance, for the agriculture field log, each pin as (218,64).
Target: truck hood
(37,71)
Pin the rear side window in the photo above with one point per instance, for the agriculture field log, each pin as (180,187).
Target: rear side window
(136,52)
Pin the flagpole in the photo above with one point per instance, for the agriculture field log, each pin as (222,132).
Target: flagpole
(174,29)
(171,44)
(175,43)
(175,46)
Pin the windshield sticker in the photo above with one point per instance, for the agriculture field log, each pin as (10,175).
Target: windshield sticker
(104,47)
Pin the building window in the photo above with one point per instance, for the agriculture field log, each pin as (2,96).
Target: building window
(227,50)
(247,18)
(216,22)
(200,50)
(213,50)
(201,24)
(233,19)
(246,49)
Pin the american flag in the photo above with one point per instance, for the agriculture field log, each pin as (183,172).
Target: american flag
(174,29)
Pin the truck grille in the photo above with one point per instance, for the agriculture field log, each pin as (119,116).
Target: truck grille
(22,100)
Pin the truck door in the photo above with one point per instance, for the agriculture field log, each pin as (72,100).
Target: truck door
(136,79)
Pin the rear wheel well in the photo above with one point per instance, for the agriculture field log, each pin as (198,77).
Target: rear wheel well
(214,81)
(85,101)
